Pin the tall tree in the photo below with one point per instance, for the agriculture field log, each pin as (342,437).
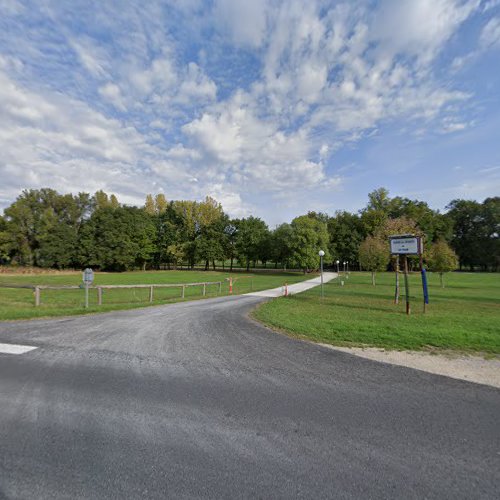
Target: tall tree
(374,255)
(442,259)
(251,232)
(281,245)
(309,235)
(346,233)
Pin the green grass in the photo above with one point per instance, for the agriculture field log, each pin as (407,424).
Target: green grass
(464,316)
(19,303)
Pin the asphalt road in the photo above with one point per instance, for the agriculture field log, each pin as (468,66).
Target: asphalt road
(195,400)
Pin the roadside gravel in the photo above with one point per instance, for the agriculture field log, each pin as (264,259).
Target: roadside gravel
(464,367)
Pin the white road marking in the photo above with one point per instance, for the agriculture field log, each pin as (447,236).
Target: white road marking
(15,348)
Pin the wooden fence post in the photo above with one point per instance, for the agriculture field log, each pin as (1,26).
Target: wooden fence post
(99,296)
(183,291)
(37,296)
(204,289)
(220,287)
(151,294)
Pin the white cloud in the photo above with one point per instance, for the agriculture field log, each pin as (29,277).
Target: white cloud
(244,20)
(112,93)
(490,35)
(420,28)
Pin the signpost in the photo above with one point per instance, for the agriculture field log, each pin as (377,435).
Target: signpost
(88,279)
(408,244)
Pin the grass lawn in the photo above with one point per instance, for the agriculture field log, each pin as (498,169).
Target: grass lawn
(463,316)
(19,303)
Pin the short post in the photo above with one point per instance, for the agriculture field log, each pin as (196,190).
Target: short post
(86,296)
(204,289)
(37,296)
(99,296)
(230,286)
(151,288)
(220,287)
(183,291)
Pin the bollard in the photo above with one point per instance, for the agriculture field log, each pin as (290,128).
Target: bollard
(204,289)
(99,296)
(230,286)
(151,294)
(37,296)
(286,289)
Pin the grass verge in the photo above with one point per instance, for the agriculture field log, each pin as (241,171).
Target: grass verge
(19,303)
(464,316)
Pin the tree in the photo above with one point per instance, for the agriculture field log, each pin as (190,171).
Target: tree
(374,255)
(346,233)
(149,205)
(476,228)
(250,234)
(309,236)
(442,259)
(117,239)
(281,241)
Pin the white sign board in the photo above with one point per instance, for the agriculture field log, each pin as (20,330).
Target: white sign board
(405,246)
(88,276)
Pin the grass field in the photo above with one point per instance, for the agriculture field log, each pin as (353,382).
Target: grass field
(19,303)
(463,316)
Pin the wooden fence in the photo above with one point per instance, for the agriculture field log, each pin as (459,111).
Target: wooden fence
(38,288)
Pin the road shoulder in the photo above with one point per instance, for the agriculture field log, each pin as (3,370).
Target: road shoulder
(471,368)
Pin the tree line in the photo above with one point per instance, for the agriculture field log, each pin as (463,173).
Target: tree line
(47,229)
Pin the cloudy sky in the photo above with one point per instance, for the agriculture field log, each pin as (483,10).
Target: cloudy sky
(272,107)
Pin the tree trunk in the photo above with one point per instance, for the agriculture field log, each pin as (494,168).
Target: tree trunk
(231,268)
(213,265)
(248,264)
(373,278)
(207,265)
(441,279)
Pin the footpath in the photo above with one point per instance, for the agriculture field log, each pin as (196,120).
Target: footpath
(295,288)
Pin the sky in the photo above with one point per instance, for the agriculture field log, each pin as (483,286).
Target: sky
(274,108)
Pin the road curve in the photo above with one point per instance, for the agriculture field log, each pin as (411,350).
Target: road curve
(195,400)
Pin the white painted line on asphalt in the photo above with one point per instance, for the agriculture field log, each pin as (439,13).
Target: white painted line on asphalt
(15,348)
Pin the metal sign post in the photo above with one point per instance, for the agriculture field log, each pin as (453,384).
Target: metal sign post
(88,279)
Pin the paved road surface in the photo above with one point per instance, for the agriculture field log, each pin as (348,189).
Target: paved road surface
(195,400)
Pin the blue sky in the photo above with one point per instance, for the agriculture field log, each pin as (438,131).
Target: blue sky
(272,107)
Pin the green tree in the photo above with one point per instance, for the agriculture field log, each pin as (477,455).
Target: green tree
(251,232)
(374,255)
(309,236)
(281,245)
(346,232)
(117,239)
(442,259)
